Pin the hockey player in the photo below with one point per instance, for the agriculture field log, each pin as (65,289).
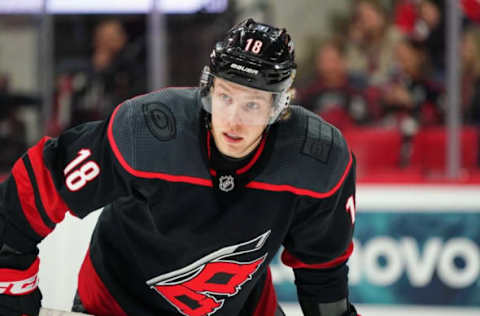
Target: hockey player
(200,188)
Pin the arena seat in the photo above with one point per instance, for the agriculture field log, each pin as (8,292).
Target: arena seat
(378,152)
(429,148)
(375,148)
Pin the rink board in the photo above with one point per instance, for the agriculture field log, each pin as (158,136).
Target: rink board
(411,250)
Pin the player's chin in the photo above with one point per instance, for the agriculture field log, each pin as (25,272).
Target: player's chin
(233,153)
(232,150)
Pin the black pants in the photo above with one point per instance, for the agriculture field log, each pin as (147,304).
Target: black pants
(77,305)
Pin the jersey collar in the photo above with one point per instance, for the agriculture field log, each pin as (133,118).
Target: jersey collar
(233,177)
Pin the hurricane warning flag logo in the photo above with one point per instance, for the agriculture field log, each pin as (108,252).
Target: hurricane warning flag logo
(192,289)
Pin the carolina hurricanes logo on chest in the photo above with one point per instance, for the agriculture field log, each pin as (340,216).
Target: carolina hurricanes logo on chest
(193,289)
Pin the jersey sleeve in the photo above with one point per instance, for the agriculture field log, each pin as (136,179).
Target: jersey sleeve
(75,172)
(319,242)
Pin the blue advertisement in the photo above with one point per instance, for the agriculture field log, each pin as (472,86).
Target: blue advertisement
(426,258)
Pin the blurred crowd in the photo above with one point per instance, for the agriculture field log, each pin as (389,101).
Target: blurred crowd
(381,69)
(88,88)
(88,84)
(13,130)
(384,67)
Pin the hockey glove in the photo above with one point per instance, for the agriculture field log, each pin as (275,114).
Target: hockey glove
(19,293)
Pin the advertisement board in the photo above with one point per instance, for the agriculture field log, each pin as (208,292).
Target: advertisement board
(409,250)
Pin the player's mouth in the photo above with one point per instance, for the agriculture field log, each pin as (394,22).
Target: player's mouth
(232,138)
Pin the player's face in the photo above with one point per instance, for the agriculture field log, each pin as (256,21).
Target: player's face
(239,116)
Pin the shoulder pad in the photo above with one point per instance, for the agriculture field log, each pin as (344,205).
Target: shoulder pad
(312,155)
(158,133)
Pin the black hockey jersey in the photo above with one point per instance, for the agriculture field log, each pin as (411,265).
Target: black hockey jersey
(177,236)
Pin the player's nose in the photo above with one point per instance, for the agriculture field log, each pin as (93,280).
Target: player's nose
(234,115)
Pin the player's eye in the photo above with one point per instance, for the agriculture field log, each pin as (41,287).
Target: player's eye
(225,98)
(252,106)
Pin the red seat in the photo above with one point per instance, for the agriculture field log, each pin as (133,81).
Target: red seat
(378,153)
(376,149)
(429,148)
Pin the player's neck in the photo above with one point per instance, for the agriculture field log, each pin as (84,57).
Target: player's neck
(220,161)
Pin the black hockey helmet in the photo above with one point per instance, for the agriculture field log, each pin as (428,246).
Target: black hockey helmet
(255,55)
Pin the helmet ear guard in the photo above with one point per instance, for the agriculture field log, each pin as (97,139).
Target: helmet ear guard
(206,81)
(282,104)
(206,84)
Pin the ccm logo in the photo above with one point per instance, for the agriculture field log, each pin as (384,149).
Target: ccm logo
(19,287)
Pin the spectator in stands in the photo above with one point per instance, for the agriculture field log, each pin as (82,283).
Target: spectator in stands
(13,128)
(371,43)
(471,9)
(3,83)
(423,21)
(470,54)
(332,94)
(411,99)
(113,73)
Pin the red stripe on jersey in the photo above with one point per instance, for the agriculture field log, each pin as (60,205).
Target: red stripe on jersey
(289,260)
(209,148)
(148,174)
(54,205)
(27,199)
(94,295)
(300,191)
(247,166)
(267,304)
(255,158)
(209,153)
